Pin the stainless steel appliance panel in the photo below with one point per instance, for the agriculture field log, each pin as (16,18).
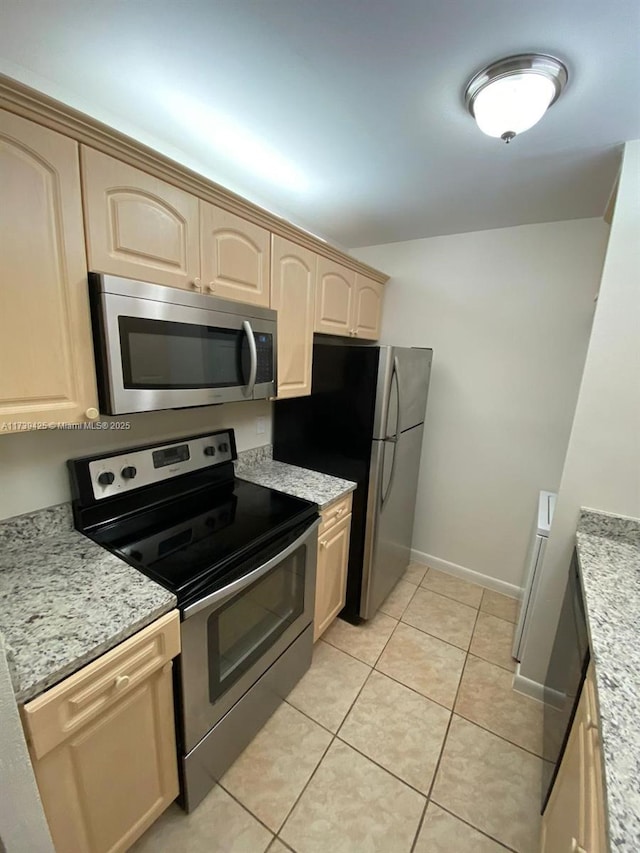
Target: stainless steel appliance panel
(215,753)
(114,297)
(205,700)
(403,385)
(391,507)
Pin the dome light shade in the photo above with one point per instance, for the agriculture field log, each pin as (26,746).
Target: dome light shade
(510,96)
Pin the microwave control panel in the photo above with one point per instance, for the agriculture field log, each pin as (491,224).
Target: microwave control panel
(264,349)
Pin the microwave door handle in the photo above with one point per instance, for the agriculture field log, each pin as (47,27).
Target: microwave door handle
(221,595)
(253,353)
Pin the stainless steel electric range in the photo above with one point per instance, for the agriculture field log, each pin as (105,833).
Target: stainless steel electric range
(241,560)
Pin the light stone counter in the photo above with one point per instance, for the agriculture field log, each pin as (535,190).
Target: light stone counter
(64,600)
(258,467)
(609,557)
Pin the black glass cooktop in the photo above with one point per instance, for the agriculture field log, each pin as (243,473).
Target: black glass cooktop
(200,539)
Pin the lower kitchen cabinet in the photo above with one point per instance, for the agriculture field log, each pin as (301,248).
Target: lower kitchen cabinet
(333,560)
(102,743)
(574,819)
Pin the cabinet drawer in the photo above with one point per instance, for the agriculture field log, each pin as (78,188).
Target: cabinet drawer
(334,512)
(61,711)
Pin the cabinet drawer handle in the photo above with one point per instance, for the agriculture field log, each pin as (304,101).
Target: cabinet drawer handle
(211,286)
(92,413)
(340,512)
(324,543)
(121,682)
(195,284)
(576,848)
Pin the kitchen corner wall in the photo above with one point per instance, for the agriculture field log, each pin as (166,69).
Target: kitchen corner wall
(33,471)
(602,468)
(508,313)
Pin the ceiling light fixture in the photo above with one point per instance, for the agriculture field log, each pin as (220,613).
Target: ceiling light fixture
(511,95)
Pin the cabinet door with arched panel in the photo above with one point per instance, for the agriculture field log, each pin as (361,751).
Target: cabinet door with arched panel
(335,291)
(367,313)
(46,352)
(235,256)
(138,226)
(293,272)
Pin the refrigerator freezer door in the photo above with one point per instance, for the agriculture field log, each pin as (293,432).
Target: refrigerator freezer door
(391,506)
(401,394)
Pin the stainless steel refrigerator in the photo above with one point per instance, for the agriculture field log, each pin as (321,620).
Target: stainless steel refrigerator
(364,421)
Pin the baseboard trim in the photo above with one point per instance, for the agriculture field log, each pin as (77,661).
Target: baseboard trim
(466,574)
(527,687)
(535,690)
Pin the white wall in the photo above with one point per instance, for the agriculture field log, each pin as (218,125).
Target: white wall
(33,472)
(508,313)
(602,468)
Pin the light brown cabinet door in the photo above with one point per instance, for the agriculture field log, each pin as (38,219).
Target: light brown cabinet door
(367,308)
(331,577)
(234,256)
(102,743)
(293,297)
(105,785)
(595,820)
(45,327)
(138,226)
(574,817)
(335,294)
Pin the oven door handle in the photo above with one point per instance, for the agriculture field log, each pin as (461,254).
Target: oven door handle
(253,353)
(221,595)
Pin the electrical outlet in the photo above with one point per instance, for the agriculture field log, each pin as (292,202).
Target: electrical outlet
(260,426)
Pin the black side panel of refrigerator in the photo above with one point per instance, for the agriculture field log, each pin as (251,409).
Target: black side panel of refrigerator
(332,431)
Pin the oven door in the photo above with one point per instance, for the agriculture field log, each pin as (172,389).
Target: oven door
(230,637)
(159,354)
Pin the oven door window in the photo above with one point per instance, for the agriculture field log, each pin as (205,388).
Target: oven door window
(243,629)
(161,354)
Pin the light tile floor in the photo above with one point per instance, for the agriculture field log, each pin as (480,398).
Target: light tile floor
(404,737)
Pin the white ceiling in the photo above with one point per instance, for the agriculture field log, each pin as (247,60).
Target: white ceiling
(346,116)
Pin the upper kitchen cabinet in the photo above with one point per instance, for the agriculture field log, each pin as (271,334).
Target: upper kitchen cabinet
(347,303)
(235,256)
(293,271)
(45,330)
(335,291)
(367,308)
(138,226)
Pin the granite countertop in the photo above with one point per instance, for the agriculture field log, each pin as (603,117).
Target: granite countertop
(258,467)
(609,557)
(64,600)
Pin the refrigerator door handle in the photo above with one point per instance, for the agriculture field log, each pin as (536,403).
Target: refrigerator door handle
(392,439)
(395,374)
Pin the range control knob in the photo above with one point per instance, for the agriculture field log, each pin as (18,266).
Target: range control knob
(210,450)
(224,447)
(106,478)
(129,472)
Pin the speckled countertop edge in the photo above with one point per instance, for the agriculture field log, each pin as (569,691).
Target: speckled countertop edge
(64,600)
(320,489)
(609,557)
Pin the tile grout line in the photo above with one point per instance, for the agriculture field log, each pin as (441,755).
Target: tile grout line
(495,734)
(481,831)
(444,743)
(334,735)
(248,811)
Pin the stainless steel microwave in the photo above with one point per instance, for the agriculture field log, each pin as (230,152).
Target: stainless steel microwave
(164,348)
